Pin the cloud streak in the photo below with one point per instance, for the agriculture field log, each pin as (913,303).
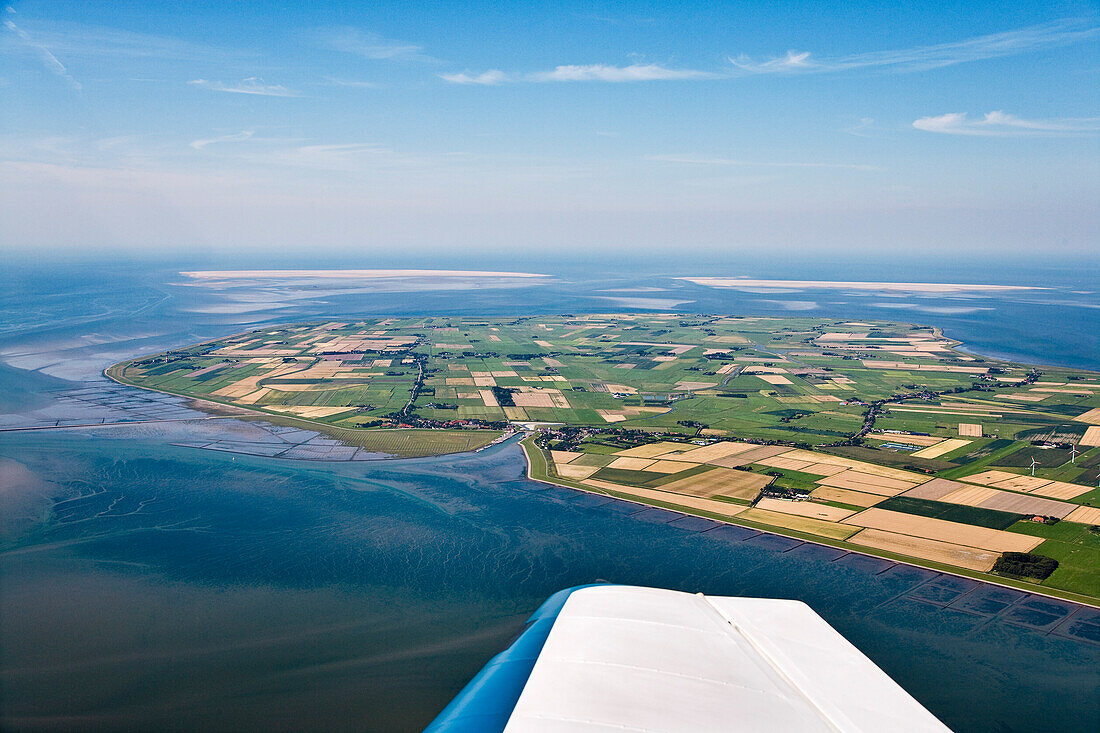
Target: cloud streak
(1001,124)
(373,46)
(922,58)
(50,61)
(232,138)
(251,85)
(582,73)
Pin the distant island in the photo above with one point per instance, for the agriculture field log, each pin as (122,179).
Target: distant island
(881,437)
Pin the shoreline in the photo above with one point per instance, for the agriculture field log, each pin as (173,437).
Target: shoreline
(1023,586)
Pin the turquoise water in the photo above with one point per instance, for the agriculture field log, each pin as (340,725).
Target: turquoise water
(149,585)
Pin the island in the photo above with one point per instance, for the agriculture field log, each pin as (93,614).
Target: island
(881,437)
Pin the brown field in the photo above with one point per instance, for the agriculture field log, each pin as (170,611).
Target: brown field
(1084,515)
(720,482)
(846,496)
(752,455)
(970,430)
(801,524)
(944,447)
(942,530)
(488,398)
(805,509)
(773,378)
(945,552)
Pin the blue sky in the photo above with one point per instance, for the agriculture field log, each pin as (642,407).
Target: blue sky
(589,127)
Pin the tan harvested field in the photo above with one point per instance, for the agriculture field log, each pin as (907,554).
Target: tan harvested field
(925,440)
(1084,515)
(1022,483)
(1006,501)
(773,378)
(970,495)
(720,482)
(749,456)
(1092,416)
(989,477)
(652,450)
(983,538)
(801,524)
(515,413)
(666,466)
(862,466)
(805,509)
(569,470)
(788,463)
(631,464)
(712,452)
(1061,490)
(306,411)
(970,430)
(1091,436)
(564,456)
(846,496)
(944,447)
(926,549)
(866,482)
(722,508)
(935,489)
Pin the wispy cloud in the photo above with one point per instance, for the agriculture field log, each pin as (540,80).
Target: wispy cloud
(582,73)
(707,161)
(920,58)
(251,85)
(996,124)
(603,72)
(486,78)
(372,45)
(50,61)
(231,138)
(351,83)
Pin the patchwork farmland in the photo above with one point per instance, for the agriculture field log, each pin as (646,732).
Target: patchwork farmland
(882,436)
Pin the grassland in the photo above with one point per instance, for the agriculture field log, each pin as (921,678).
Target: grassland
(881,437)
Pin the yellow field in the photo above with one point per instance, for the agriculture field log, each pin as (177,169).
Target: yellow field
(862,466)
(667,466)
(577,473)
(801,524)
(970,495)
(714,451)
(631,464)
(945,552)
(970,430)
(983,538)
(805,509)
(564,456)
(306,411)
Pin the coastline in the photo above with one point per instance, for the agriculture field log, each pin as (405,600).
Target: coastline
(543,476)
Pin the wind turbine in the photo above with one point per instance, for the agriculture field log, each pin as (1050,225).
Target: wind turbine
(1073,453)
(1034,463)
